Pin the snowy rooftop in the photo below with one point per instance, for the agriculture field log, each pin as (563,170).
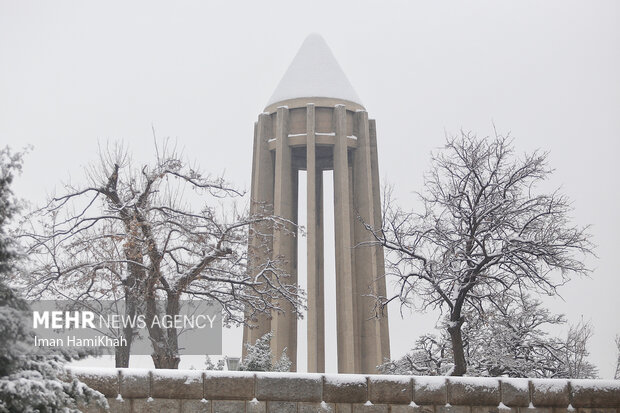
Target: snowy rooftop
(314,72)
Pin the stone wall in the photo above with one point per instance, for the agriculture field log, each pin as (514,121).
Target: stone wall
(176,391)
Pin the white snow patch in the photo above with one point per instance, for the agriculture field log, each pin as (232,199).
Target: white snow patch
(150,399)
(396,378)
(119,398)
(314,72)
(294,135)
(368,403)
(600,385)
(203,400)
(325,133)
(93,371)
(489,383)
(340,379)
(430,383)
(502,406)
(325,406)
(549,385)
(287,375)
(412,404)
(531,406)
(517,383)
(254,401)
(570,408)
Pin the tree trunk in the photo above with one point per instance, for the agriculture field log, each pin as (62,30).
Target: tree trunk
(166,361)
(164,340)
(121,355)
(460,365)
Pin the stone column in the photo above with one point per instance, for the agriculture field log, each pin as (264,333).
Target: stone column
(366,267)
(316,311)
(261,203)
(384,336)
(345,287)
(284,325)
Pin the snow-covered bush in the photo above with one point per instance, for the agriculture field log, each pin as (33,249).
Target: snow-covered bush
(210,365)
(260,358)
(31,380)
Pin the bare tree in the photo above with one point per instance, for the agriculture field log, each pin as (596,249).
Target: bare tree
(483,231)
(147,234)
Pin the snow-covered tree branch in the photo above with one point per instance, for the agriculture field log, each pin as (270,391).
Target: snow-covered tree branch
(158,231)
(484,229)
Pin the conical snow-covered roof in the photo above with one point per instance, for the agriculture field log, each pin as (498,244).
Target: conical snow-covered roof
(314,72)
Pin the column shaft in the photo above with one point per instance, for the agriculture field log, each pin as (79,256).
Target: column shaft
(260,236)
(384,336)
(284,324)
(345,302)
(316,312)
(366,266)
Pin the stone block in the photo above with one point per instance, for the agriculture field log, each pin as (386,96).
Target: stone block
(564,410)
(135,384)
(120,406)
(535,410)
(596,410)
(596,393)
(374,408)
(316,408)
(156,406)
(195,406)
(186,385)
(430,390)
(343,408)
(424,409)
(345,388)
(465,392)
(104,381)
(515,392)
(447,408)
(289,388)
(492,409)
(90,408)
(550,393)
(281,407)
(403,408)
(396,390)
(228,406)
(229,387)
(254,406)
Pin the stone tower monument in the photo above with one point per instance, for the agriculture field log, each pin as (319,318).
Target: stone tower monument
(315,122)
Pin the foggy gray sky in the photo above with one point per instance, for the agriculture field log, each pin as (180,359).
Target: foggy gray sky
(75,73)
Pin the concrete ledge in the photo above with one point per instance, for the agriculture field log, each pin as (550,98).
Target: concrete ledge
(193,390)
(229,386)
(390,389)
(482,392)
(599,393)
(430,390)
(302,388)
(345,388)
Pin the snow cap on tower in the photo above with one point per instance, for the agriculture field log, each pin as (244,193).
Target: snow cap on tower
(314,72)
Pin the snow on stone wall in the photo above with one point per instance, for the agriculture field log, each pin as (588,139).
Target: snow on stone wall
(175,391)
